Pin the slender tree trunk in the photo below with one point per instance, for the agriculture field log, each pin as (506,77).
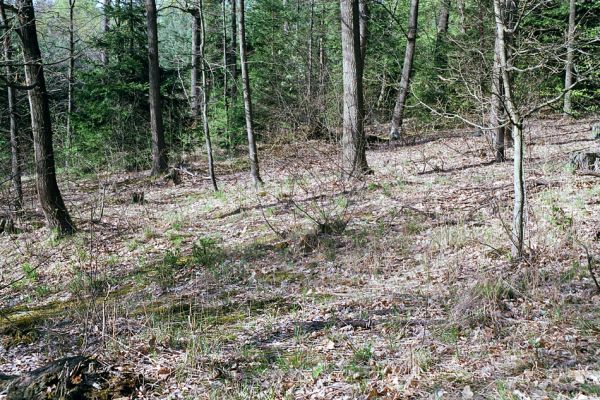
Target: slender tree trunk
(322,64)
(71,75)
(442,22)
(310,52)
(194,97)
(228,134)
(570,53)
(363,12)
(234,46)
(51,201)
(397,117)
(254,168)
(382,90)
(496,110)
(354,160)
(518,232)
(205,90)
(440,52)
(159,150)
(17,201)
(105,28)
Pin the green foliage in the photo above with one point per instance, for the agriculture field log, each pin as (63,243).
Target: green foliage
(30,272)
(207,252)
(295,57)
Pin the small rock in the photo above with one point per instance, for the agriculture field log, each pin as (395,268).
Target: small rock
(467,393)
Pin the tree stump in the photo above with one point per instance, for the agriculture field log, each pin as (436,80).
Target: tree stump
(588,161)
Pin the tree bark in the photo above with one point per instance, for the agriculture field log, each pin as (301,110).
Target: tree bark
(234,46)
(518,231)
(364,31)
(309,57)
(354,160)
(254,167)
(205,89)
(17,201)
(397,118)
(228,134)
(496,111)
(51,200)
(194,97)
(567,107)
(442,22)
(159,151)
(71,74)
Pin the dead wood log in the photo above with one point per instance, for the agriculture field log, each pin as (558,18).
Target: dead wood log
(72,378)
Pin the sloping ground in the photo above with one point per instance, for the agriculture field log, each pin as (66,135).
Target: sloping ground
(400,286)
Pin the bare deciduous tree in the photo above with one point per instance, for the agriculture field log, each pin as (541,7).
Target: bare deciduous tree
(49,194)
(411,40)
(570,55)
(506,68)
(254,168)
(354,160)
(159,149)
(13,116)
(205,92)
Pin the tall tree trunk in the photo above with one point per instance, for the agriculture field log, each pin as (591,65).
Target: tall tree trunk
(518,231)
(254,169)
(354,160)
(322,64)
(17,200)
(105,27)
(71,74)
(234,47)
(411,40)
(570,53)
(496,111)
(194,97)
(159,150)
(442,22)
(228,134)
(310,54)
(440,57)
(205,89)
(52,203)
(364,31)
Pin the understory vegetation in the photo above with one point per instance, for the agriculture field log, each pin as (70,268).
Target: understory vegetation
(310,288)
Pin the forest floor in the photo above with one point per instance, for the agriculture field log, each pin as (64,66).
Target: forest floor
(399,286)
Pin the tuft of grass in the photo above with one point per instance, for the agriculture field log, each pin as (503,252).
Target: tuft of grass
(149,233)
(482,304)
(448,334)
(207,252)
